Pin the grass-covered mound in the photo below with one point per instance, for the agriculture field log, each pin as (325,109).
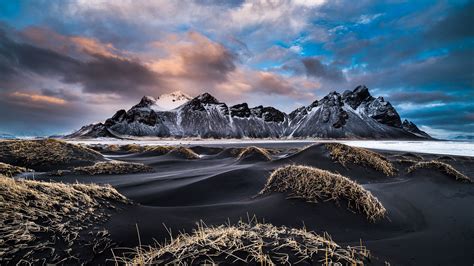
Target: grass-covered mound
(42,222)
(252,153)
(104,148)
(155,150)
(11,170)
(442,167)
(46,154)
(255,244)
(344,154)
(113,168)
(184,152)
(131,148)
(313,184)
(161,150)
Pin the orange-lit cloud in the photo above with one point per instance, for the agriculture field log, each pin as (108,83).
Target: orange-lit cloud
(193,63)
(37,98)
(244,81)
(75,46)
(193,56)
(92,46)
(190,61)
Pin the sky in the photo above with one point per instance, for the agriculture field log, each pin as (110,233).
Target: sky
(64,64)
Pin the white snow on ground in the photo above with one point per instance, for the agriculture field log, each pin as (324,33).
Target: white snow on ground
(433,147)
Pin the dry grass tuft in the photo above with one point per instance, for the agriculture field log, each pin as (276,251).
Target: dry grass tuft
(136,148)
(104,147)
(11,170)
(441,166)
(254,151)
(237,151)
(113,168)
(313,184)
(42,222)
(406,161)
(45,153)
(249,243)
(131,148)
(158,149)
(187,153)
(344,154)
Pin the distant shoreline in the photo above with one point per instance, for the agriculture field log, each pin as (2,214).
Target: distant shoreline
(445,147)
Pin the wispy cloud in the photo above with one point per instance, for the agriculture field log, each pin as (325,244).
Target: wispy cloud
(29,98)
(366,19)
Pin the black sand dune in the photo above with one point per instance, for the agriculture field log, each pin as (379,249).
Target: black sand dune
(203,150)
(428,219)
(318,156)
(254,154)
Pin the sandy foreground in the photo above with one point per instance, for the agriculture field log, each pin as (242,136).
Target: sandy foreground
(428,219)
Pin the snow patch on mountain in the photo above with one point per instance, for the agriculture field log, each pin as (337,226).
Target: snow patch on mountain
(167,102)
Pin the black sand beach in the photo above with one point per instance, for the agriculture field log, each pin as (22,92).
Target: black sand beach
(428,220)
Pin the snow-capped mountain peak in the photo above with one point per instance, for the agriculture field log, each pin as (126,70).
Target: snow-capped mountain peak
(352,114)
(170,101)
(165,102)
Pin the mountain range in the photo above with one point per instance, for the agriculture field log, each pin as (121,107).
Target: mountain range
(351,114)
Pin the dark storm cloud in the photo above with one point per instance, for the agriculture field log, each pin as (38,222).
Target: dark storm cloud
(65,94)
(316,68)
(16,56)
(100,75)
(421,97)
(451,71)
(345,49)
(442,116)
(273,84)
(312,67)
(205,65)
(456,25)
(116,75)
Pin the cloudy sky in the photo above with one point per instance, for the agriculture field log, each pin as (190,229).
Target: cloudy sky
(64,64)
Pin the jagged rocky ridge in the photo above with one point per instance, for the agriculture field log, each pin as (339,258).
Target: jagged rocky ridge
(352,114)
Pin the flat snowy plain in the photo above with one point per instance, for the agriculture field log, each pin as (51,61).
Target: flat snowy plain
(462,148)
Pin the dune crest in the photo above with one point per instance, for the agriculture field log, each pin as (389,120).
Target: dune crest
(344,154)
(313,184)
(442,167)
